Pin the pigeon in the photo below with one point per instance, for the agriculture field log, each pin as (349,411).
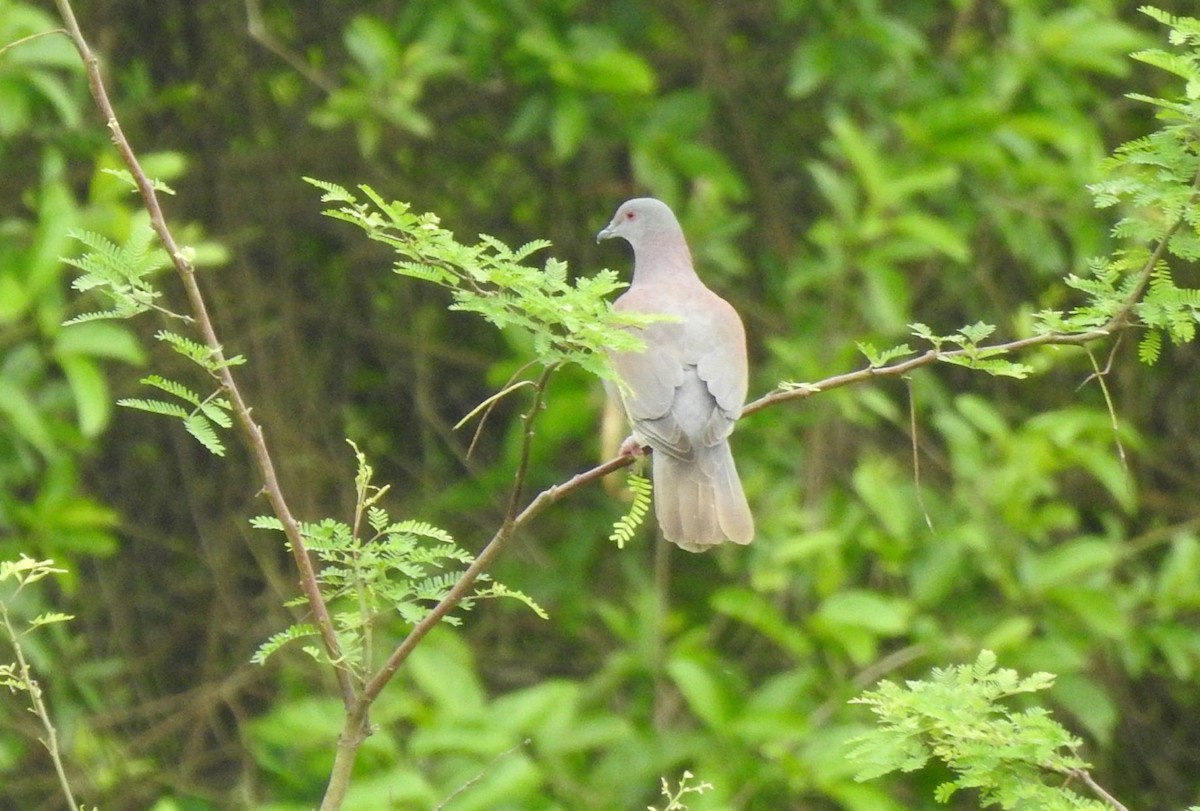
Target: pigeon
(684,392)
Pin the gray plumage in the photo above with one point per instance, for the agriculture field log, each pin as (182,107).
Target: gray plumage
(684,393)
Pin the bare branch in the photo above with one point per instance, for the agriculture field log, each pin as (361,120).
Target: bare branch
(31,37)
(256,26)
(39,708)
(481,774)
(251,432)
(1085,777)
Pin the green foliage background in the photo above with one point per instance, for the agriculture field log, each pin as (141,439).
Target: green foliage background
(842,170)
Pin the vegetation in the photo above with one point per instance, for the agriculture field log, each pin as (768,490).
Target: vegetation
(850,177)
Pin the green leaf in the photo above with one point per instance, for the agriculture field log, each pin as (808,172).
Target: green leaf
(171,387)
(50,618)
(997,367)
(759,613)
(704,694)
(373,45)
(877,613)
(99,339)
(624,529)
(266,522)
(618,72)
(1095,608)
(937,234)
(877,358)
(1069,564)
(90,390)
(568,125)
(24,417)
(155,407)
(217,410)
(277,641)
(198,426)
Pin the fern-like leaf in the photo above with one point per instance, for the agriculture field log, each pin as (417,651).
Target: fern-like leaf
(172,387)
(500,590)
(217,409)
(195,351)
(155,407)
(421,529)
(626,526)
(199,427)
(277,641)
(997,367)
(1150,347)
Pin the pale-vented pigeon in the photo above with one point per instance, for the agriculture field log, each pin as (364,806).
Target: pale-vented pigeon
(683,394)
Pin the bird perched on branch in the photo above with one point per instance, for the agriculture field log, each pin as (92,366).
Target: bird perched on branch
(684,392)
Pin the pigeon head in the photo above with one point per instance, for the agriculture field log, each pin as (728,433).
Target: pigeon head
(641,219)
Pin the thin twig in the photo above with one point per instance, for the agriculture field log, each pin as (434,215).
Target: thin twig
(257,28)
(916,451)
(509,387)
(1118,321)
(901,368)
(503,535)
(487,404)
(1100,376)
(39,709)
(539,398)
(30,38)
(354,729)
(483,772)
(251,431)
(1096,370)
(1085,777)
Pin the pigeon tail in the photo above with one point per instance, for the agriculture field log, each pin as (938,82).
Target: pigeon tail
(699,502)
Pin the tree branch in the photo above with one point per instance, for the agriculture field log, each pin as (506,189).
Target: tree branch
(39,708)
(901,368)
(1118,321)
(354,728)
(1085,777)
(357,704)
(557,492)
(30,38)
(256,26)
(251,432)
(483,560)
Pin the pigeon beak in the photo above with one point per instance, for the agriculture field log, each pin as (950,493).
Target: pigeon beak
(605,233)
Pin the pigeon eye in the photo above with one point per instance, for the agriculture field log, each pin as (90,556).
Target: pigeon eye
(630,215)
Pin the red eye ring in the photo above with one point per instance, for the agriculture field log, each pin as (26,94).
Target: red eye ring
(629,215)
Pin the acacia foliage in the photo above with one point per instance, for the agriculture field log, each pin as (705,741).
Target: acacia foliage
(841,173)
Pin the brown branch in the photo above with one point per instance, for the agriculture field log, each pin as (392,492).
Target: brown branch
(50,742)
(355,728)
(557,492)
(256,26)
(901,368)
(357,705)
(251,432)
(512,521)
(1085,777)
(539,397)
(1118,321)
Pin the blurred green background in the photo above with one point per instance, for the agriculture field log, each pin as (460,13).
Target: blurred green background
(841,169)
